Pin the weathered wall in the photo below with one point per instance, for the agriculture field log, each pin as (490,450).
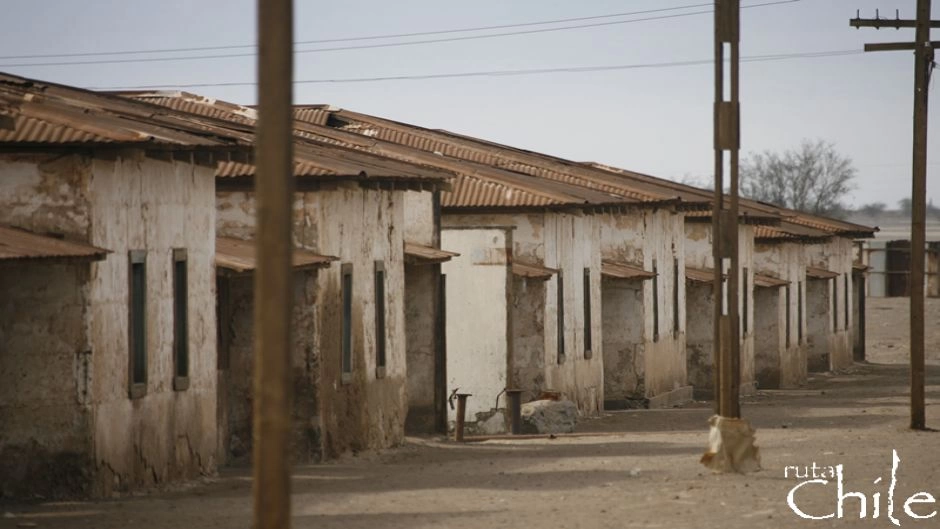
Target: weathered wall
(236,378)
(421,301)
(698,254)
(144,204)
(45,417)
(780,361)
(836,256)
(422,282)
(361,227)
(568,243)
(623,319)
(478,315)
(571,244)
(818,325)
(45,420)
(652,362)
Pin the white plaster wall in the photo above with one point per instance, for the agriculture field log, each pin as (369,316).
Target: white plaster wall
(837,256)
(775,360)
(360,226)
(641,237)
(477,315)
(145,204)
(419,218)
(572,245)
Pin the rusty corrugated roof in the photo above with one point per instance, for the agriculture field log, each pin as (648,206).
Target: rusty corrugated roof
(620,270)
(239,256)
(18,244)
(455,146)
(314,156)
(421,253)
(477,185)
(42,114)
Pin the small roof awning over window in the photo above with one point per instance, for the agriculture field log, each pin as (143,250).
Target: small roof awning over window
(239,256)
(17,244)
(819,273)
(766,281)
(859,267)
(421,254)
(619,270)
(532,271)
(701,275)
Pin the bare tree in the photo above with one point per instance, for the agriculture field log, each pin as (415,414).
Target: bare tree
(813,178)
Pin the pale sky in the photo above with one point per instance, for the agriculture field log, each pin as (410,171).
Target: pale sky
(653,120)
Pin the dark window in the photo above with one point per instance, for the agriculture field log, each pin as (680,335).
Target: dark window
(745,296)
(138,323)
(799,312)
(223,322)
(346,326)
(655,302)
(789,312)
(587,313)
(675,296)
(845,304)
(180,321)
(379,319)
(835,304)
(560,315)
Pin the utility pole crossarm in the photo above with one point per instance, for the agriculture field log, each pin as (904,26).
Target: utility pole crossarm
(879,23)
(897,46)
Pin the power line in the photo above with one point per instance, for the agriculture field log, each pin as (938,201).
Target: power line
(385,45)
(352,39)
(507,73)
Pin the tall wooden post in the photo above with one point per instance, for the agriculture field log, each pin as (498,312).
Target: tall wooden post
(273,190)
(725,221)
(923,64)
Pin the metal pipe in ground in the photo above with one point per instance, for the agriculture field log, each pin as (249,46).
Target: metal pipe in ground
(514,403)
(461,416)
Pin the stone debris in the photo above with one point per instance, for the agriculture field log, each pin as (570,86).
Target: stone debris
(549,416)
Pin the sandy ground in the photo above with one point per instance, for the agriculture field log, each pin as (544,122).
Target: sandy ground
(645,473)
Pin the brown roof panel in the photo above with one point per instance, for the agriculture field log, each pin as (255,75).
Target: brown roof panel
(17,244)
(44,114)
(813,272)
(532,270)
(768,281)
(700,275)
(427,254)
(619,270)
(239,256)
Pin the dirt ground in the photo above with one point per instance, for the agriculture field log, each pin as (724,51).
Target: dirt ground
(644,474)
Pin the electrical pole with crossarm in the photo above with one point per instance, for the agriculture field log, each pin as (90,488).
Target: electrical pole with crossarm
(923,66)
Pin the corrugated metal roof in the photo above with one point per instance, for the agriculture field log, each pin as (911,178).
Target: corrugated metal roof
(427,254)
(44,114)
(532,270)
(17,244)
(813,272)
(450,145)
(315,155)
(620,270)
(768,281)
(239,256)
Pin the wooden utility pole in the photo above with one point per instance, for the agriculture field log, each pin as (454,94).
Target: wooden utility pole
(725,220)
(923,65)
(273,189)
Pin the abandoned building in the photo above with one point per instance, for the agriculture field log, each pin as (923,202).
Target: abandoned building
(642,309)
(107,377)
